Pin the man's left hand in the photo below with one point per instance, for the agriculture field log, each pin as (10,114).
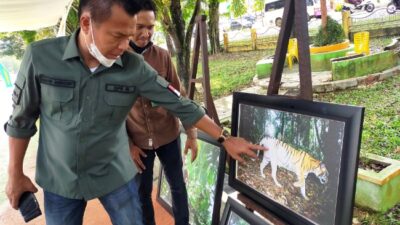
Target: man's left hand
(191,143)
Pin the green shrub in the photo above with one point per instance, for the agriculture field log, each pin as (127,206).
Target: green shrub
(334,34)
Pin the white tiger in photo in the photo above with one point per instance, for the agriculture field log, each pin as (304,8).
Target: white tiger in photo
(301,163)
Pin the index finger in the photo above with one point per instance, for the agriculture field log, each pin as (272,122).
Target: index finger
(258,147)
(251,153)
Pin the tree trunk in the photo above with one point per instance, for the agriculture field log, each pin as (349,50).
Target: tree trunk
(324,14)
(170,45)
(183,65)
(171,16)
(182,38)
(213,26)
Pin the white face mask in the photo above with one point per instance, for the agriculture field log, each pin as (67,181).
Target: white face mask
(95,52)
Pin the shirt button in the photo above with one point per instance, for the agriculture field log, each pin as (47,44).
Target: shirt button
(88,97)
(85,119)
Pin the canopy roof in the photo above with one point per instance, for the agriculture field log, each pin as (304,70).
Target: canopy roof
(18,15)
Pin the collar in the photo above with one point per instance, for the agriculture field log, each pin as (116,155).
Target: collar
(140,50)
(72,51)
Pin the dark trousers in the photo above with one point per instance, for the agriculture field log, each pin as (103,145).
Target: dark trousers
(171,159)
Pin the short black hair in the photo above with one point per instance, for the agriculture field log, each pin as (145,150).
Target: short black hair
(148,5)
(100,10)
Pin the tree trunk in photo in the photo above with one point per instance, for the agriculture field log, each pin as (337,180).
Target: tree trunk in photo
(213,26)
(324,14)
(282,132)
(331,133)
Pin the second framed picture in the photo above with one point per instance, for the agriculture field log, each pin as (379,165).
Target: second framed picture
(237,214)
(204,181)
(308,174)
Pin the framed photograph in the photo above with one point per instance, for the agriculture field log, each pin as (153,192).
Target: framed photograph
(308,174)
(164,192)
(237,214)
(204,181)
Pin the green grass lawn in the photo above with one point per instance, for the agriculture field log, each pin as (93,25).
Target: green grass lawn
(232,71)
(381,131)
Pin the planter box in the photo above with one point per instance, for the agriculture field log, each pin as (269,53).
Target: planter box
(362,66)
(329,48)
(264,68)
(379,191)
(322,61)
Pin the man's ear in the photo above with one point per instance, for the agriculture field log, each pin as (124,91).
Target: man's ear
(84,22)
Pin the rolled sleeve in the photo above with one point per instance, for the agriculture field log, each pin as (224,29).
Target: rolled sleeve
(155,88)
(26,98)
(19,132)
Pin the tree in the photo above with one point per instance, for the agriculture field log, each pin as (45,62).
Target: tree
(11,44)
(48,32)
(238,7)
(324,15)
(169,43)
(173,18)
(14,43)
(72,20)
(28,36)
(258,5)
(213,25)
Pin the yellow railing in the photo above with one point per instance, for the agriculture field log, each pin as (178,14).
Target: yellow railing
(255,42)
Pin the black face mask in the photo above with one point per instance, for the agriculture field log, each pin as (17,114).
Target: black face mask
(138,49)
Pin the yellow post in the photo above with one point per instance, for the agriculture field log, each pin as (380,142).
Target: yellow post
(226,42)
(253,38)
(346,22)
(332,4)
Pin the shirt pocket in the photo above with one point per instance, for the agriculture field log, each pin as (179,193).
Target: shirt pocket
(119,100)
(57,98)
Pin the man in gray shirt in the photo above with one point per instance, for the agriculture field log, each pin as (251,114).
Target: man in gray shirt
(82,88)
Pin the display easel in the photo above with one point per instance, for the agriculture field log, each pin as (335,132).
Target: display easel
(294,13)
(201,41)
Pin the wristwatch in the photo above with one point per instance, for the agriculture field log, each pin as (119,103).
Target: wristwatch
(223,136)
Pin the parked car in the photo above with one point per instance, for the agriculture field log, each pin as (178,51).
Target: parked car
(274,11)
(250,18)
(236,25)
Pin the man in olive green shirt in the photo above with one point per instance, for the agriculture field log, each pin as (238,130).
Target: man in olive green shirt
(82,88)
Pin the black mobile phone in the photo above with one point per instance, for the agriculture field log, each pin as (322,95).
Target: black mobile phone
(29,206)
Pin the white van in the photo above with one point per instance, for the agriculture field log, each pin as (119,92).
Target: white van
(274,11)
